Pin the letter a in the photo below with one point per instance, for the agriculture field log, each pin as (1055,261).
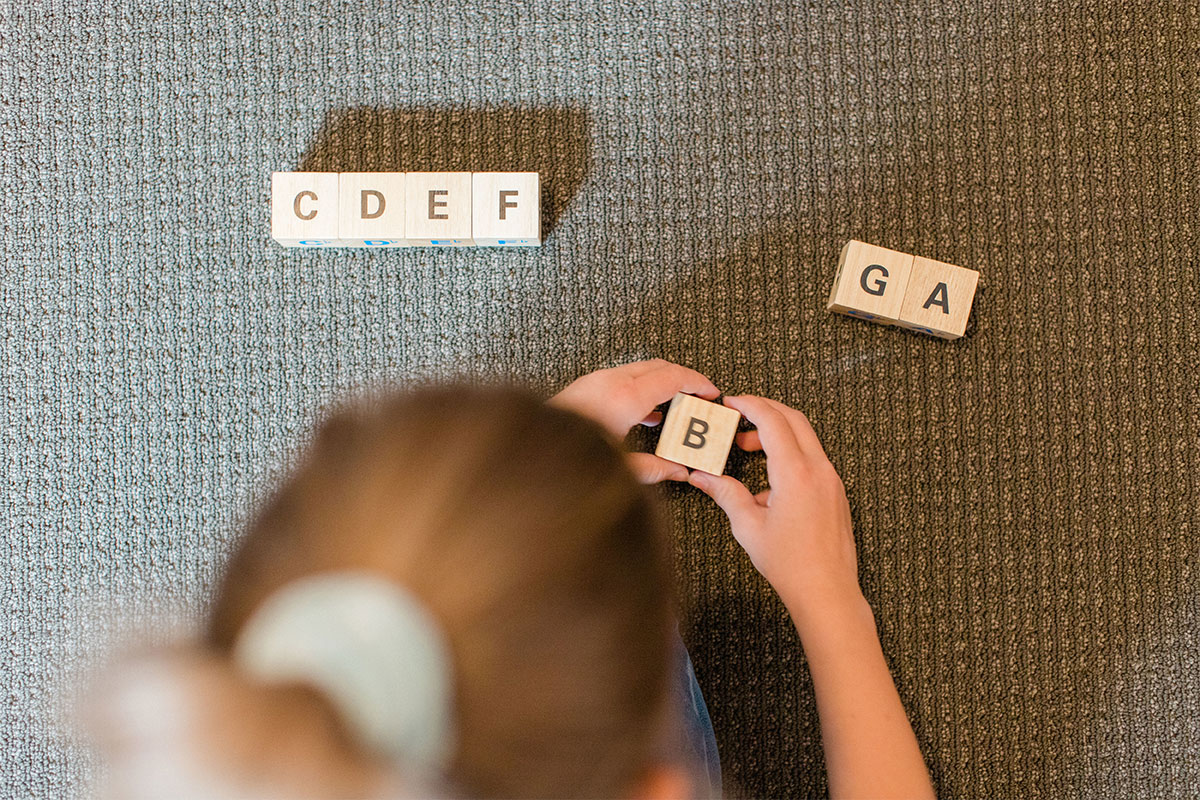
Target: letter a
(933,300)
(696,430)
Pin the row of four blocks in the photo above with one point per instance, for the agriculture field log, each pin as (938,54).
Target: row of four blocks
(405,209)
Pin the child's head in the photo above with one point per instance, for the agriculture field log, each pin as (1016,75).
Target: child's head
(520,530)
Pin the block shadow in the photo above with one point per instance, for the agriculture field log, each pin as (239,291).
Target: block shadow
(553,141)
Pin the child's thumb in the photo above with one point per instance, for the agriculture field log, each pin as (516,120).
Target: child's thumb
(729,493)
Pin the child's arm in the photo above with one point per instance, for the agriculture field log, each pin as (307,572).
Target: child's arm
(798,535)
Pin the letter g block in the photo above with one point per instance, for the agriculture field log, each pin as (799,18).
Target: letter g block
(697,433)
(871,282)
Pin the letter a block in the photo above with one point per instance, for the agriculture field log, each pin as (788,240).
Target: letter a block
(697,433)
(438,209)
(304,208)
(939,298)
(371,209)
(506,209)
(870,282)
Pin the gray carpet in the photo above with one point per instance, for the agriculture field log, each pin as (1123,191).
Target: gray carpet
(1026,500)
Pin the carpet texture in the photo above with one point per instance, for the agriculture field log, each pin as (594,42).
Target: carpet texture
(1025,499)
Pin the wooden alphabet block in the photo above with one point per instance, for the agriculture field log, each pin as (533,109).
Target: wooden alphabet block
(304,208)
(506,209)
(438,208)
(371,209)
(939,297)
(870,282)
(697,433)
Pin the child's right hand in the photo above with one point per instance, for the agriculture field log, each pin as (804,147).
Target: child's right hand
(797,533)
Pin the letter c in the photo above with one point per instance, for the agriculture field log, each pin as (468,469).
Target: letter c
(296,205)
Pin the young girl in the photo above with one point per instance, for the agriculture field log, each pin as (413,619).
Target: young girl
(465,591)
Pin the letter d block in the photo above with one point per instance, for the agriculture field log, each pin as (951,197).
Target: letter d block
(506,209)
(870,282)
(939,298)
(304,208)
(371,209)
(697,433)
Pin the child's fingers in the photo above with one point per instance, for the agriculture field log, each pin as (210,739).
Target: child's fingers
(729,493)
(801,428)
(748,441)
(652,419)
(649,468)
(763,498)
(774,434)
(661,384)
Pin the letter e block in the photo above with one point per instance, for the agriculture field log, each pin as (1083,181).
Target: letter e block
(371,209)
(697,433)
(939,297)
(304,208)
(870,282)
(437,209)
(506,209)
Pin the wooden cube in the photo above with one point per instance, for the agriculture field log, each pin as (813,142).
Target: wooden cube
(939,297)
(697,433)
(437,209)
(371,209)
(870,282)
(304,208)
(506,209)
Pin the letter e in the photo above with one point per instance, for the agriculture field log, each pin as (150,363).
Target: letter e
(435,204)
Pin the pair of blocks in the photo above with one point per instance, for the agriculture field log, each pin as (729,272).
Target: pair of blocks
(894,288)
(406,209)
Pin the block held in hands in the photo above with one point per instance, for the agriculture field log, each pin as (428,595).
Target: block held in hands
(697,433)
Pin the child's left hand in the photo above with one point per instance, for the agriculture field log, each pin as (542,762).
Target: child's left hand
(624,396)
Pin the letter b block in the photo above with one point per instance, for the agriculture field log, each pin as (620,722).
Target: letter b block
(304,208)
(870,282)
(697,433)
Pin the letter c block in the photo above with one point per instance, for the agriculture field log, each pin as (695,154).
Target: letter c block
(304,208)
(697,433)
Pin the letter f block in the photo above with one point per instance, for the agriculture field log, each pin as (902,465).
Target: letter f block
(697,433)
(870,283)
(506,209)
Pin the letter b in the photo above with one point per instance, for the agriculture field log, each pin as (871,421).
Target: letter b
(694,438)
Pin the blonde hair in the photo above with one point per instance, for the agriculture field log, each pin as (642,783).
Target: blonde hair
(522,531)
